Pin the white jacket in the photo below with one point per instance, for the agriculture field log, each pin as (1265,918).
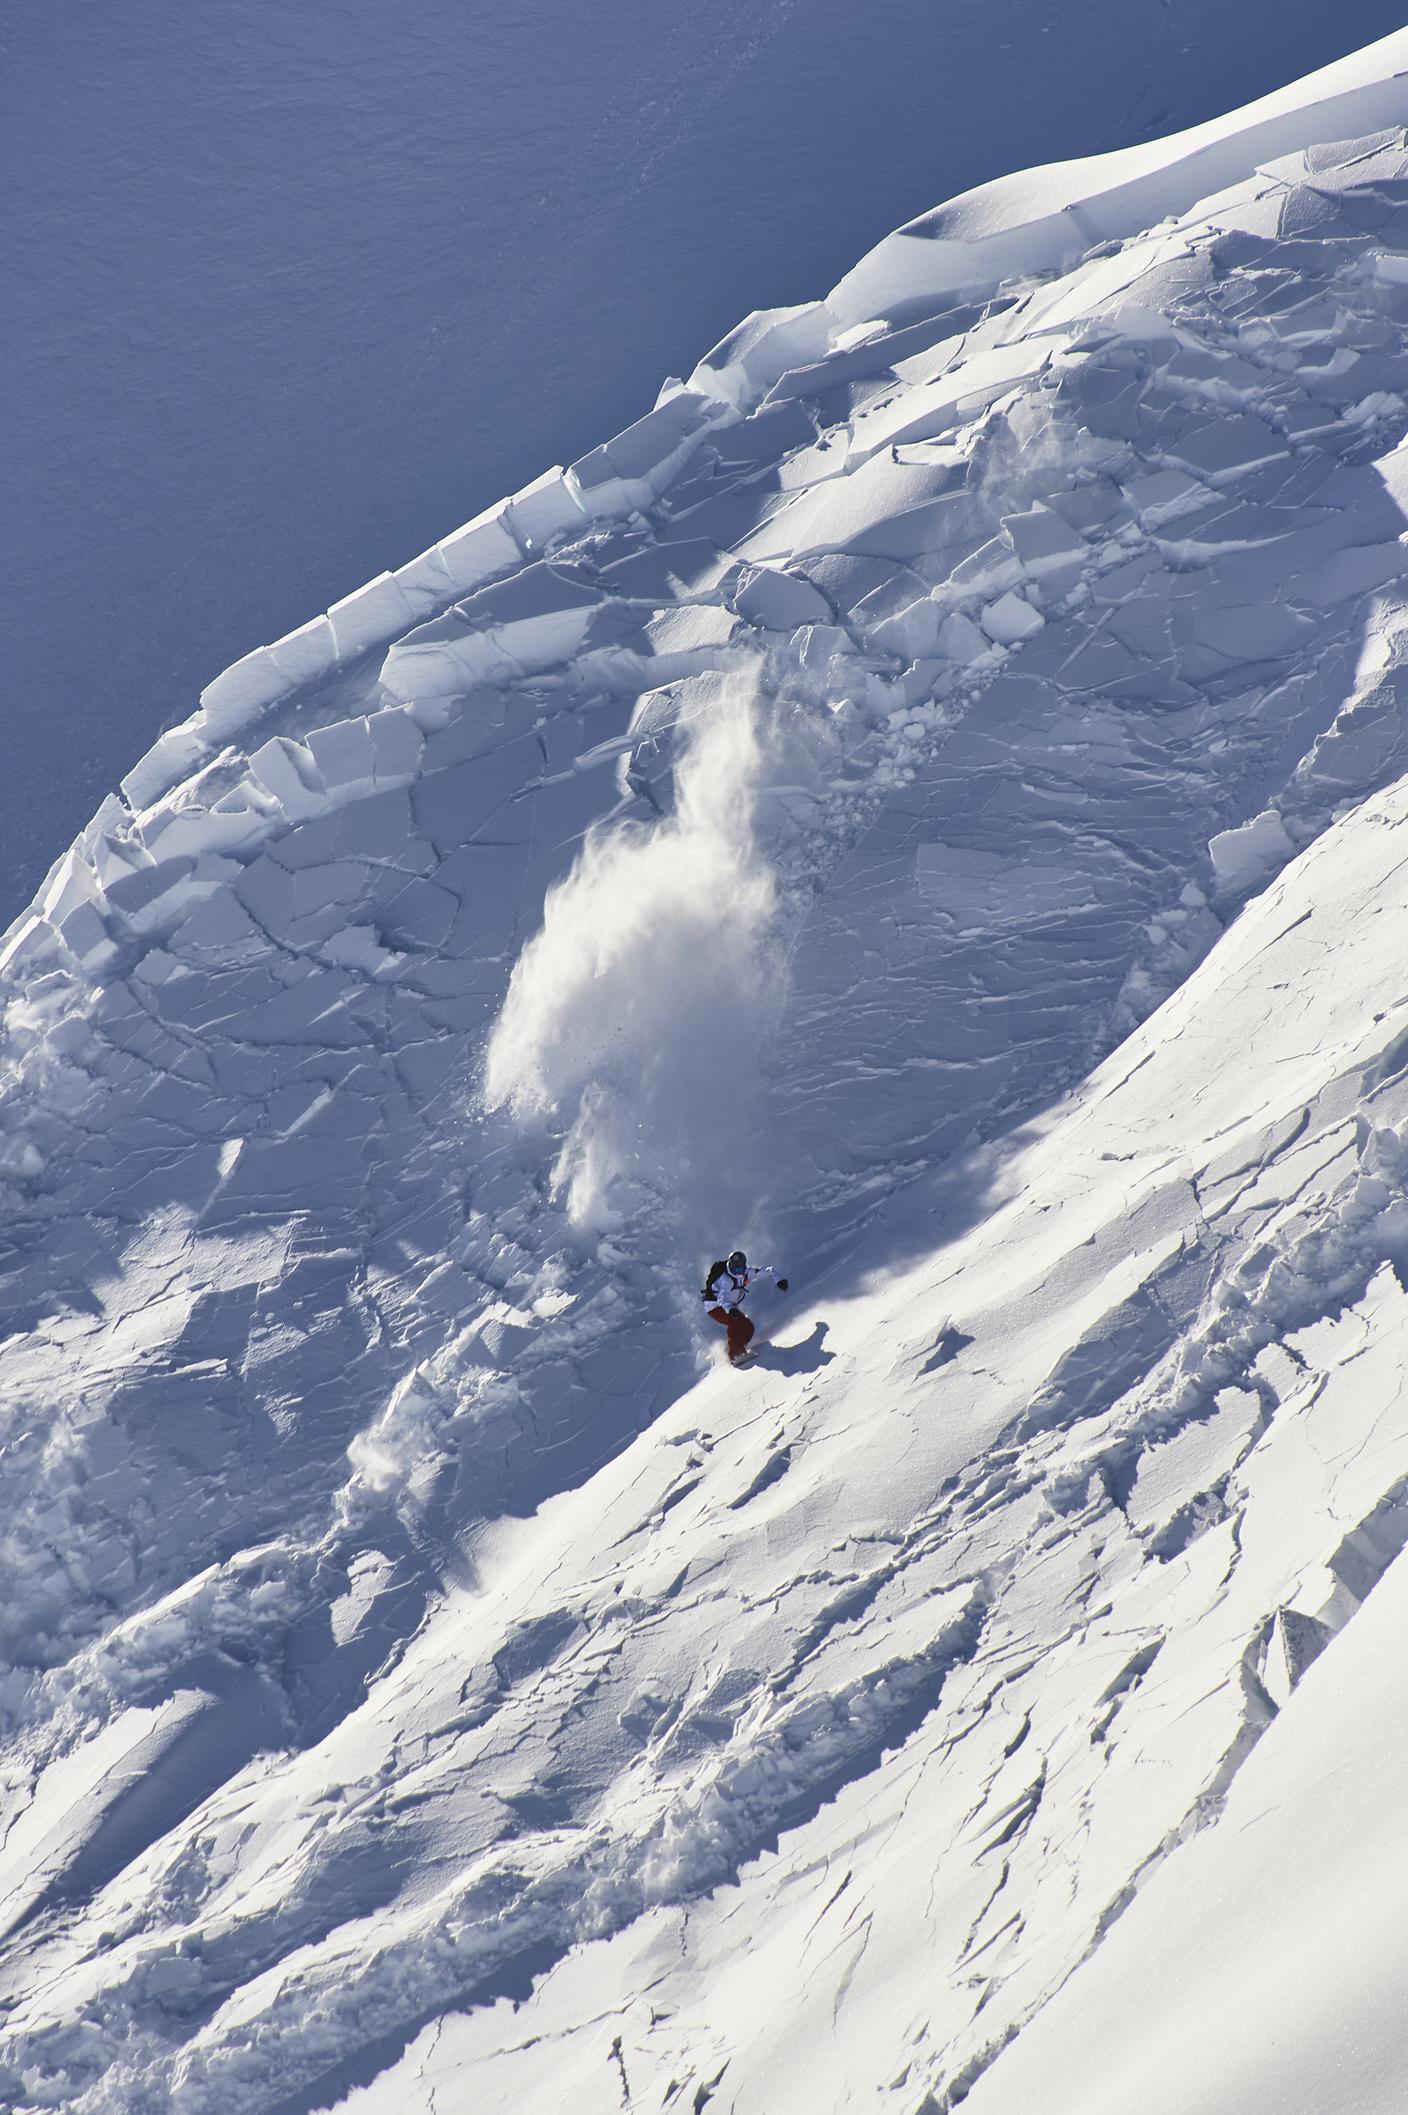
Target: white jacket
(731,1286)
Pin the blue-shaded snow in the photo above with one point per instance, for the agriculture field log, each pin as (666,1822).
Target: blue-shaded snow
(297,289)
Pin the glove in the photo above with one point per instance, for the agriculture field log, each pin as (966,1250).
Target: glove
(782,1285)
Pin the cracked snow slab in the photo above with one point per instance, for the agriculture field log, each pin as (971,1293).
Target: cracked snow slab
(929,801)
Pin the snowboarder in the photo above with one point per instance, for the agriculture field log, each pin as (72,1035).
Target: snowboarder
(726,1288)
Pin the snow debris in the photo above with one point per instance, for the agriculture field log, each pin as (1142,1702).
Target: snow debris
(1248,856)
(1009,620)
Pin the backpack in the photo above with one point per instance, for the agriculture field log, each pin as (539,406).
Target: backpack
(716,1271)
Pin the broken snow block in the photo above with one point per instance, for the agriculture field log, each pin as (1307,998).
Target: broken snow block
(541,590)
(427,584)
(433,715)
(1042,541)
(344,756)
(1009,620)
(134,894)
(114,859)
(691,627)
(1221,447)
(631,471)
(379,829)
(960,640)
(85,936)
(601,492)
(483,548)
(1248,856)
(987,891)
(331,884)
(265,889)
(158,967)
(241,693)
(445,666)
(544,510)
(110,818)
(1096,505)
(397,743)
(373,616)
(357,947)
(172,757)
(819,644)
(743,366)
(286,769)
(989,569)
(25,947)
(1162,495)
(541,642)
(307,655)
(780,602)
(1295,1642)
(539,616)
(72,881)
(912,632)
(220,925)
(235,821)
(1263,631)
(504,1331)
(1377,154)
(654,444)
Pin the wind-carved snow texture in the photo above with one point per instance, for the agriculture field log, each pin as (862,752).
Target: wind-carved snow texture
(927,797)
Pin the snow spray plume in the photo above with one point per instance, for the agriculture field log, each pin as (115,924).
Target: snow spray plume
(635,1020)
(1030,450)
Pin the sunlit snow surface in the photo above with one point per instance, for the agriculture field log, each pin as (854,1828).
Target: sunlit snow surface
(432,1683)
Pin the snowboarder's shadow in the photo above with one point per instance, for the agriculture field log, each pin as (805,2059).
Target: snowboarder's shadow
(807,1357)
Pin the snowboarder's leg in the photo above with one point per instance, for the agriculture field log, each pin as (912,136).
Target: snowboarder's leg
(740,1332)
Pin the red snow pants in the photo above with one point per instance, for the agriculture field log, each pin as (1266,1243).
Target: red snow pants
(738,1325)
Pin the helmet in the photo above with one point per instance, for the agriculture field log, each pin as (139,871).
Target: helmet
(738,1261)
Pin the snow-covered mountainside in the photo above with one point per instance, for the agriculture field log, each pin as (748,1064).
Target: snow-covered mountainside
(922,802)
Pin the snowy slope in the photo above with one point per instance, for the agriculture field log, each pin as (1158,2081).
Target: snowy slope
(428,1675)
